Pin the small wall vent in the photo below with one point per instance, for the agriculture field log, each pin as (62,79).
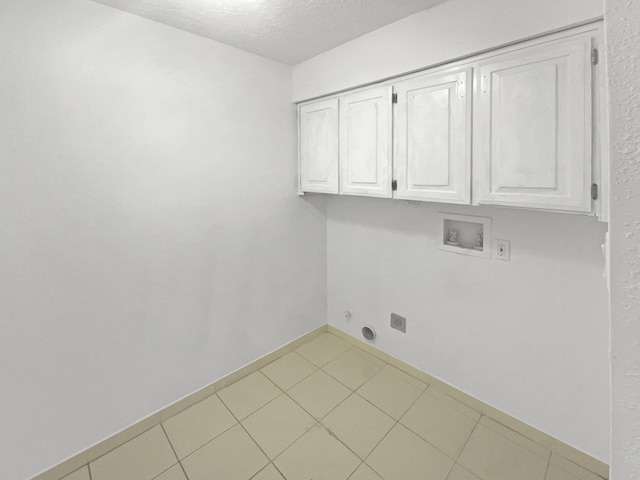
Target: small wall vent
(369,333)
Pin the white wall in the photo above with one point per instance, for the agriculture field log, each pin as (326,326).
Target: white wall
(622,34)
(453,29)
(151,239)
(529,336)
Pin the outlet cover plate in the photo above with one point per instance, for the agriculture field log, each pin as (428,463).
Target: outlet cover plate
(398,322)
(503,250)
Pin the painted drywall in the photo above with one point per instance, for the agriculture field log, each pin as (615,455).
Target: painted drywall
(151,238)
(528,336)
(622,37)
(453,29)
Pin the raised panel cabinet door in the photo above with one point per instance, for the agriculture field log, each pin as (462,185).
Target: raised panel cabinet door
(365,143)
(432,130)
(318,134)
(533,127)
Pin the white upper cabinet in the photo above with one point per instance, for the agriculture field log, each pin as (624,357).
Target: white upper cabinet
(318,143)
(532,127)
(365,142)
(515,127)
(432,134)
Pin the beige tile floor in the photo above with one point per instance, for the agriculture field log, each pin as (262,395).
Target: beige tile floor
(330,411)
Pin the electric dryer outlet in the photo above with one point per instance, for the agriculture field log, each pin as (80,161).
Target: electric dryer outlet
(398,322)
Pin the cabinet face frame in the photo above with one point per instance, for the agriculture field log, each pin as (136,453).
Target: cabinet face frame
(558,175)
(318,166)
(444,165)
(600,130)
(366,142)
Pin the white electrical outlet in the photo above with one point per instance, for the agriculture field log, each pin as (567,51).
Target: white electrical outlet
(502,249)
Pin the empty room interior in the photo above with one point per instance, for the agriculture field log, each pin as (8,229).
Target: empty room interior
(328,240)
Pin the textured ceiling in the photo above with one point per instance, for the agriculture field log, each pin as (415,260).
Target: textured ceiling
(289,31)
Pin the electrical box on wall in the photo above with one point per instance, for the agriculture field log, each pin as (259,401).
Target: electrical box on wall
(465,234)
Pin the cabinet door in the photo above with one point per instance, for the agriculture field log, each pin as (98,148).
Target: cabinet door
(318,133)
(533,127)
(433,137)
(365,143)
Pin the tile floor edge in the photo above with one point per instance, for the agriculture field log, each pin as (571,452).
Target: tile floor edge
(79,460)
(556,446)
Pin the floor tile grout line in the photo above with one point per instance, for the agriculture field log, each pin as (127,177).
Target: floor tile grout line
(316,368)
(118,446)
(217,436)
(262,470)
(268,403)
(450,469)
(247,416)
(257,445)
(353,390)
(338,405)
(546,472)
(207,442)
(254,440)
(467,442)
(426,384)
(278,469)
(342,382)
(450,405)
(289,446)
(331,432)
(169,441)
(429,385)
(165,470)
(573,463)
(517,433)
(238,421)
(389,431)
(160,424)
(282,392)
(384,436)
(454,459)
(310,360)
(343,443)
(312,415)
(349,386)
(475,475)
(305,378)
(477,421)
(376,407)
(319,422)
(184,471)
(379,442)
(403,414)
(259,471)
(174,452)
(294,441)
(354,472)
